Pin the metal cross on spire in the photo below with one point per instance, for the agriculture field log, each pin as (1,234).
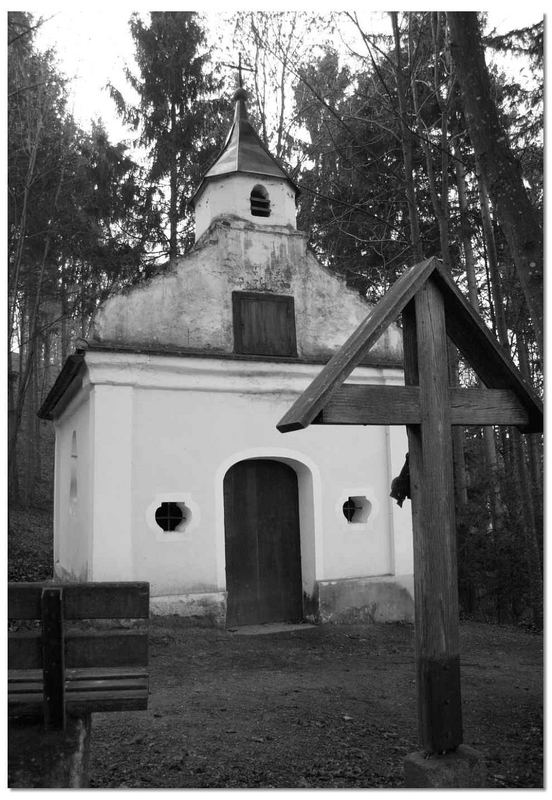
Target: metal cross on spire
(239,66)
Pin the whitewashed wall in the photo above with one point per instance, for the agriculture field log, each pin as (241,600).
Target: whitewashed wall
(169,428)
(73,512)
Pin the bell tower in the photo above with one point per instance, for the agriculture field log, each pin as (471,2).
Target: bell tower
(245,180)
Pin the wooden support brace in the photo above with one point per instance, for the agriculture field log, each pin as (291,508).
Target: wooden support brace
(53,658)
(342,363)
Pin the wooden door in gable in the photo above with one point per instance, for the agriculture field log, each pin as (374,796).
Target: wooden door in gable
(263,554)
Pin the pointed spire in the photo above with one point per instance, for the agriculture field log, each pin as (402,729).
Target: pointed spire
(243,150)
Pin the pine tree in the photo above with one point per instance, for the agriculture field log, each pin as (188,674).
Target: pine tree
(76,215)
(178,117)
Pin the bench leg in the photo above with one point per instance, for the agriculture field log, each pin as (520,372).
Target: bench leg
(51,759)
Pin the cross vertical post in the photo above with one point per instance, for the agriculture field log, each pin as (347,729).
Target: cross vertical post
(434,531)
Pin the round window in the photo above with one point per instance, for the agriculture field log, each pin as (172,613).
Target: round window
(170,515)
(357,509)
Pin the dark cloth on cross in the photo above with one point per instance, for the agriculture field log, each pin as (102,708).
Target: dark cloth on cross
(400,486)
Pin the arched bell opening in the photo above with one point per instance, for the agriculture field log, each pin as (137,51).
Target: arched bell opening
(260,202)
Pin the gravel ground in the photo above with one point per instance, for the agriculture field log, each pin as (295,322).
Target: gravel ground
(329,706)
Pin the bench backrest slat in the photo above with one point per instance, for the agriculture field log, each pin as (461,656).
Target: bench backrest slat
(120,648)
(82,601)
(25,650)
(114,648)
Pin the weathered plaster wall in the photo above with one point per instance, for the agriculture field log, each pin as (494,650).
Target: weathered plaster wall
(367,600)
(234,192)
(190,304)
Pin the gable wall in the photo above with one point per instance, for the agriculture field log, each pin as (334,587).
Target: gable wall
(190,304)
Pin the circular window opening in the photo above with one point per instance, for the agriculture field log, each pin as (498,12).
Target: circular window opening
(169,516)
(357,509)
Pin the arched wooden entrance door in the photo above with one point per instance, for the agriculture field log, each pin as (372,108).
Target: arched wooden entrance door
(263,554)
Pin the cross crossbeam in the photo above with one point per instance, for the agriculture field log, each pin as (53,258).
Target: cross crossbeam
(358,404)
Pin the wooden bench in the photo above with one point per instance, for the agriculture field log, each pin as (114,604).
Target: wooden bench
(85,651)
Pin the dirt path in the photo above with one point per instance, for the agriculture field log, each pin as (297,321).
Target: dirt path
(326,706)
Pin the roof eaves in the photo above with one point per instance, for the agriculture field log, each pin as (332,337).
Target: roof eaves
(70,372)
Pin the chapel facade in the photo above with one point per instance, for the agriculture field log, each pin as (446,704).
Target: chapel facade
(168,465)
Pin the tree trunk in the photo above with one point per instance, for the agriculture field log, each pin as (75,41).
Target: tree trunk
(13,482)
(518,217)
(514,454)
(489,442)
(32,336)
(29,432)
(407,146)
(14,276)
(465,233)
(527,519)
(63,326)
(439,200)
(173,211)
(439,203)
(492,261)
(14,271)
(534,442)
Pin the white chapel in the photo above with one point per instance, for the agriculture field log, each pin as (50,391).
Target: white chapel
(168,464)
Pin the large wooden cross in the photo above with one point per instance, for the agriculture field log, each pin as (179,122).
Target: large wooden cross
(432,309)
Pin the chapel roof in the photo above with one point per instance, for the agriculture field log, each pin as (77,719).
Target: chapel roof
(243,151)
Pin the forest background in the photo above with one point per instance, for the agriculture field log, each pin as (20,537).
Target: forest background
(405,145)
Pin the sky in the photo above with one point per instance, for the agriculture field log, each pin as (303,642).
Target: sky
(93,44)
